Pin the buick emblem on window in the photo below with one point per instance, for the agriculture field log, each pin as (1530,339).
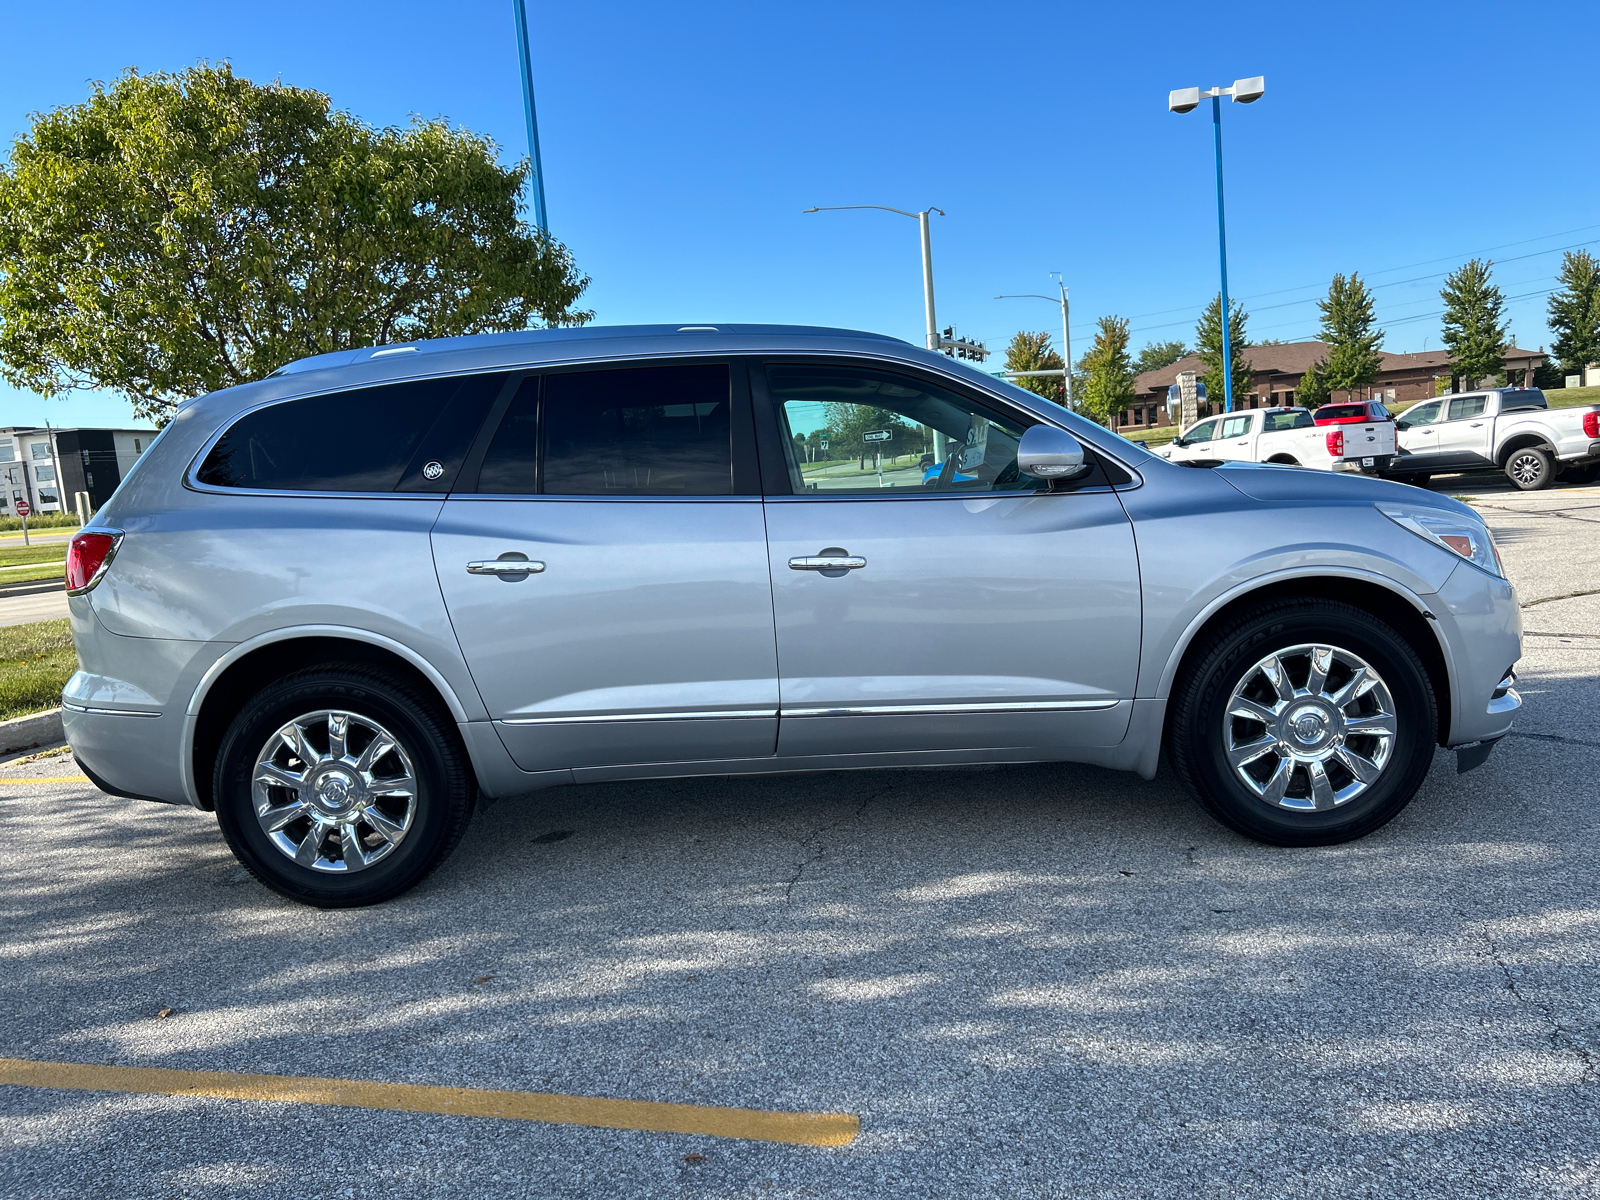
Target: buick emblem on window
(432,470)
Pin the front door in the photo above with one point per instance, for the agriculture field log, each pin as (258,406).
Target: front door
(1420,438)
(607,572)
(928,597)
(1233,437)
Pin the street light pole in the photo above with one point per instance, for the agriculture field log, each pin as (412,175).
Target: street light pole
(1066,334)
(933,341)
(1182,100)
(520,10)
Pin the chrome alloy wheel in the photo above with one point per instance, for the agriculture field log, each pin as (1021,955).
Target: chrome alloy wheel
(334,791)
(1309,728)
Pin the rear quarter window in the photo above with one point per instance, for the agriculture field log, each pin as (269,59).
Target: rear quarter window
(400,436)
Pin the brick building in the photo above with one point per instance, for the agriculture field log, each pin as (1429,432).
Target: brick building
(47,467)
(1403,379)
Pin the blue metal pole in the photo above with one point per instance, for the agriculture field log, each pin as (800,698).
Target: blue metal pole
(1222,247)
(521,10)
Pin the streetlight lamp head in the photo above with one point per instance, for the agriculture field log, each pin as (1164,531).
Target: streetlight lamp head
(803,211)
(1182,100)
(1248,91)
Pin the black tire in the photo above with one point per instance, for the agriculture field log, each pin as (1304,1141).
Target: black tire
(1530,468)
(1581,476)
(444,793)
(1202,695)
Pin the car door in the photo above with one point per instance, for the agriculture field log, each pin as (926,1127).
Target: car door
(1463,436)
(605,569)
(1419,437)
(928,597)
(1233,440)
(1196,442)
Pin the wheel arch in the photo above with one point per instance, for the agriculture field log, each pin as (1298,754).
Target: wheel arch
(1287,460)
(1523,441)
(1407,613)
(256,662)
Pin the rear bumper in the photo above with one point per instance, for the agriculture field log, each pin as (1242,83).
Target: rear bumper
(1379,463)
(128,754)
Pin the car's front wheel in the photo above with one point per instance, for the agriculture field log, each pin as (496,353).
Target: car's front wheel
(1304,723)
(342,785)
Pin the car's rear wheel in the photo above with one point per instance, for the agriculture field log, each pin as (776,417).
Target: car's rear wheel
(342,785)
(1304,723)
(1530,468)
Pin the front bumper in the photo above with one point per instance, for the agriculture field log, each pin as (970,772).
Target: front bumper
(1480,627)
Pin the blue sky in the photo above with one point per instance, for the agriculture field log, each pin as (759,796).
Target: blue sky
(681,143)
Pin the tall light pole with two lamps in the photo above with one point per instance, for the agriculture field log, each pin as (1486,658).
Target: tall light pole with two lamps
(1066,337)
(1182,100)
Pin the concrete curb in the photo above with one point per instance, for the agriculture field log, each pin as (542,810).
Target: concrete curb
(35,732)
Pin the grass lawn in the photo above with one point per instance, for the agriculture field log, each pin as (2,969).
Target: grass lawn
(11,556)
(35,663)
(55,570)
(1568,397)
(1159,436)
(51,521)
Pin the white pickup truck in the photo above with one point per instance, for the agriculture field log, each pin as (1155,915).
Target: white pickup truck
(1506,429)
(1286,435)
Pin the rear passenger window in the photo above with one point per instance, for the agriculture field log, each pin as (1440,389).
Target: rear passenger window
(1467,406)
(401,436)
(642,431)
(1235,427)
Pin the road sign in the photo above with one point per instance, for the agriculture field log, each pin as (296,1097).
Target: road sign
(877,435)
(23,508)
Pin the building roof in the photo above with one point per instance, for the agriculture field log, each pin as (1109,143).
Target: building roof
(1295,358)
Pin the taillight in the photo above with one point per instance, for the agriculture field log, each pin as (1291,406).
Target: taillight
(88,556)
(1336,443)
(1591,424)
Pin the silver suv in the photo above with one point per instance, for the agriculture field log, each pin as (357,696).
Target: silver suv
(341,605)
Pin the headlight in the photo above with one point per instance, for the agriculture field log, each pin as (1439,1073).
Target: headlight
(1460,535)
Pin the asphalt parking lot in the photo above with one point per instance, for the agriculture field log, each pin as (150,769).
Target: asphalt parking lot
(1034,981)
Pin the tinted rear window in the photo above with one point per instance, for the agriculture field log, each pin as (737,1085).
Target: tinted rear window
(643,431)
(365,440)
(1276,422)
(1341,411)
(1522,398)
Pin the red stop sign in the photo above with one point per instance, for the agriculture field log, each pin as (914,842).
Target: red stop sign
(23,508)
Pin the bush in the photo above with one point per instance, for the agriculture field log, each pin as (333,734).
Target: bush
(40,521)
(36,660)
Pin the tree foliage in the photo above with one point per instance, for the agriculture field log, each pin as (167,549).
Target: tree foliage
(1313,391)
(1350,330)
(1474,332)
(1108,386)
(1574,312)
(1034,352)
(1156,355)
(1208,345)
(179,233)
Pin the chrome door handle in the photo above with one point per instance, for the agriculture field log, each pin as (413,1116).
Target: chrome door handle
(505,566)
(1477,424)
(827,562)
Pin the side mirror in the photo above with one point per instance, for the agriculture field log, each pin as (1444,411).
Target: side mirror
(1402,424)
(1179,442)
(1046,452)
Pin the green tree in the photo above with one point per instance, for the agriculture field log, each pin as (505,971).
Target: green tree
(1313,391)
(179,233)
(1474,332)
(1108,386)
(1349,328)
(848,423)
(1574,312)
(1156,355)
(1208,345)
(1033,352)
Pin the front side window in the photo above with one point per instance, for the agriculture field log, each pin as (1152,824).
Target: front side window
(637,431)
(1422,414)
(408,436)
(1467,406)
(1201,432)
(860,430)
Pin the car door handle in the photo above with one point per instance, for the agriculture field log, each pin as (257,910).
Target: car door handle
(1477,424)
(827,562)
(505,566)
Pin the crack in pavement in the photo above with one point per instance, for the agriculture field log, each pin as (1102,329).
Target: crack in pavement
(815,834)
(1560,1037)
(1563,596)
(1553,737)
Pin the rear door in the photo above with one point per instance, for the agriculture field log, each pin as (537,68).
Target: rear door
(1235,439)
(1463,436)
(605,568)
(928,596)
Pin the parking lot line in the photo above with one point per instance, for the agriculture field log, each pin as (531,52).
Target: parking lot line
(751,1124)
(46,779)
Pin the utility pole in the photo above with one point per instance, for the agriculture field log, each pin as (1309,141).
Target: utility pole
(520,10)
(933,340)
(1066,338)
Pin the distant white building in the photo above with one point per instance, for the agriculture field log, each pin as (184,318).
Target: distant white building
(47,467)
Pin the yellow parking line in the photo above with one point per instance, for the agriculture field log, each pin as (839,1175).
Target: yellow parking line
(46,779)
(754,1124)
